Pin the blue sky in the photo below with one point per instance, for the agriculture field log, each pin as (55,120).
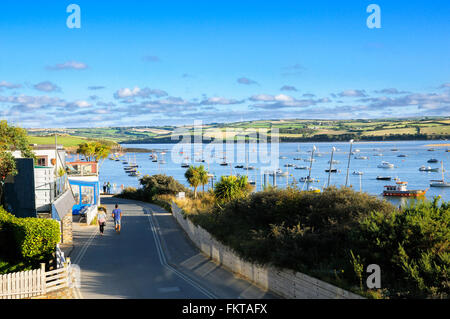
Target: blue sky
(172,62)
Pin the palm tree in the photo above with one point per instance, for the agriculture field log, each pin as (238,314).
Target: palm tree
(193,177)
(203,176)
(231,187)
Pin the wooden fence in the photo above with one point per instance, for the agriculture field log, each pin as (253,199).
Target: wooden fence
(36,282)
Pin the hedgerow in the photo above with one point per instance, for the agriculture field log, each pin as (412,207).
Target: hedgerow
(29,239)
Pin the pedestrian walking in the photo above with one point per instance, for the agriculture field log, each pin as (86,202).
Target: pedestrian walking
(104,187)
(117,215)
(101,219)
(109,187)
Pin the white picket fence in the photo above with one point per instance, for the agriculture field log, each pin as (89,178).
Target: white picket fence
(36,282)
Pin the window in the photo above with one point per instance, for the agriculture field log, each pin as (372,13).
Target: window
(42,161)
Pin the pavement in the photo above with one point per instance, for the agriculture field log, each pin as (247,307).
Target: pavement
(151,258)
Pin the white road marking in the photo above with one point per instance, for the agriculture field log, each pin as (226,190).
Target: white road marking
(164,263)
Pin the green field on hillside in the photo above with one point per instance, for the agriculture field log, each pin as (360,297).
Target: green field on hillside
(289,130)
(65,140)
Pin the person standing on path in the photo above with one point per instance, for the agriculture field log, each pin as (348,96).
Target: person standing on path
(101,219)
(104,187)
(109,187)
(117,215)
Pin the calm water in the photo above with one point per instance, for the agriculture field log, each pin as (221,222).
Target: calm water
(406,168)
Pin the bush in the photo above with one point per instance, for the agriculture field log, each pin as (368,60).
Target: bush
(412,247)
(33,239)
(335,235)
(231,187)
(152,187)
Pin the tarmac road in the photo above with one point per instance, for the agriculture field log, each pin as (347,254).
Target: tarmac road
(151,258)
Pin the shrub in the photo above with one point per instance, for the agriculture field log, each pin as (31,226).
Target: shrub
(33,239)
(412,247)
(335,235)
(232,187)
(154,188)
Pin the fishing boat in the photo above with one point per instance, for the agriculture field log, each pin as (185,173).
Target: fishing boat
(185,165)
(357,173)
(333,170)
(301,167)
(289,165)
(309,160)
(430,150)
(333,162)
(442,182)
(394,149)
(424,168)
(282,157)
(361,157)
(379,154)
(239,166)
(400,189)
(384,178)
(385,164)
(297,159)
(224,164)
(249,167)
(402,155)
(432,160)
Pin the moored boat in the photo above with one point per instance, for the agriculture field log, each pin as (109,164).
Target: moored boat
(385,165)
(400,189)
(424,168)
(442,182)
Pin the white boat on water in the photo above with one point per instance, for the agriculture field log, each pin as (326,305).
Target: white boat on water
(424,168)
(361,157)
(385,164)
(442,182)
(357,173)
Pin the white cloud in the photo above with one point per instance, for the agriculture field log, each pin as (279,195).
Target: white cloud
(74,65)
(47,86)
(9,85)
(353,93)
(125,93)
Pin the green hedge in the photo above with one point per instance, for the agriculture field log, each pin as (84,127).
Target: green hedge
(29,239)
(322,234)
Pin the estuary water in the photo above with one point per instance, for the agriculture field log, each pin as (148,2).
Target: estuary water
(407,157)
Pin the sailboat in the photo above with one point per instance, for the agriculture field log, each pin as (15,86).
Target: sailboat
(440,183)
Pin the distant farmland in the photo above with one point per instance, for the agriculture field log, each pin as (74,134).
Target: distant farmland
(289,130)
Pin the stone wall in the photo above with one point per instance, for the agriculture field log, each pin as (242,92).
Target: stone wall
(286,283)
(66,229)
